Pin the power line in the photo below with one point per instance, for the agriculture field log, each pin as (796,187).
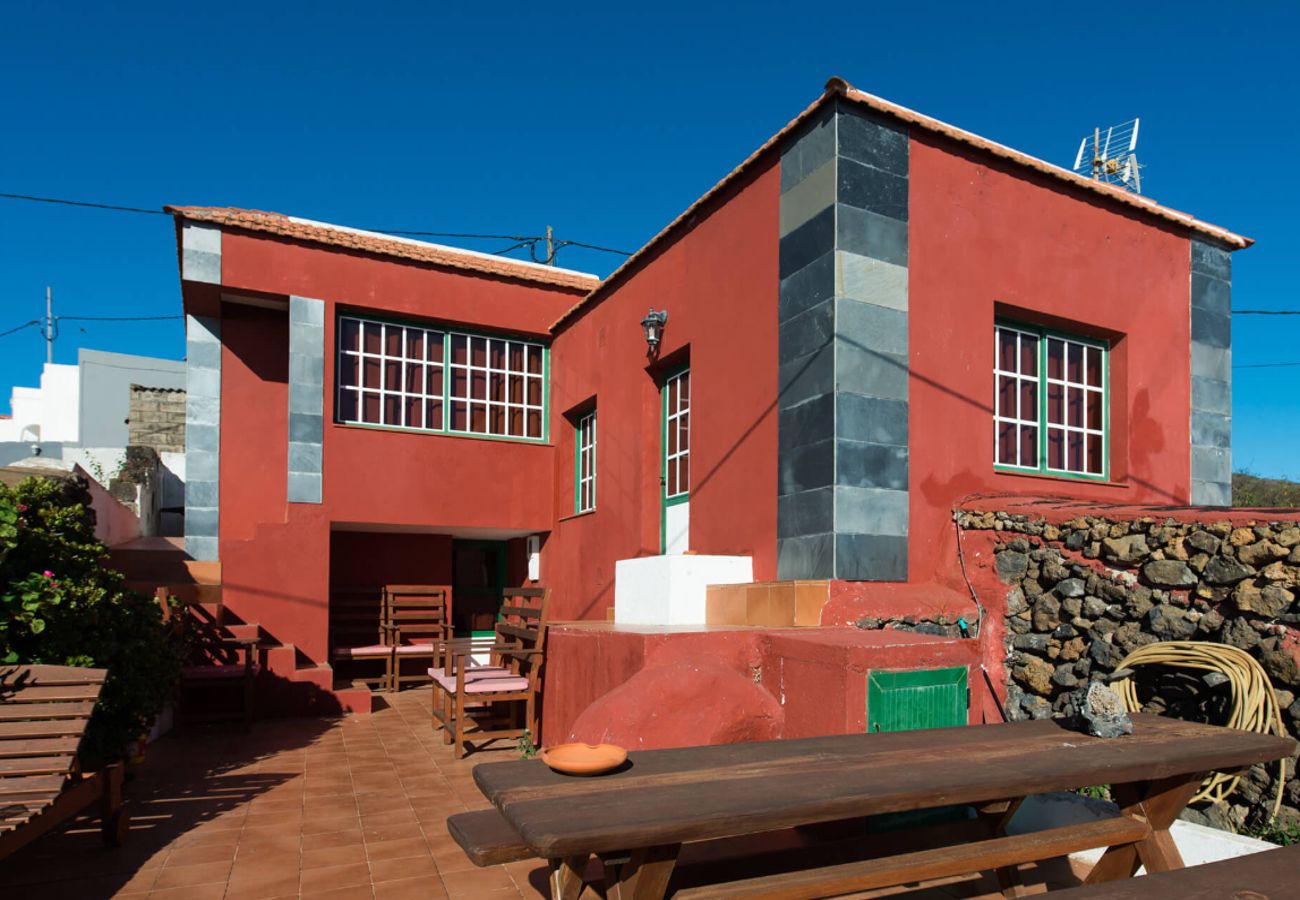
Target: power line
(114,318)
(1267,365)
(522,240)
(1266,312)
(20,327)
(85,203)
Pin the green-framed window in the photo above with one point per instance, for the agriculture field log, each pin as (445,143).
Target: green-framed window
(585,468)
(1051,402)
(409,376)
(677,436)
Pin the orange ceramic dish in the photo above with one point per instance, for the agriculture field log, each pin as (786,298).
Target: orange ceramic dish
(584,759)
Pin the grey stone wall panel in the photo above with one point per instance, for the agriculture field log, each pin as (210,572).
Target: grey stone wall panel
(870,419)
(805,423)
(871,189)
(1208,259)
(872,373)
(806,377)
(871,234)
(807,332)
(881,328)
(870,557)
(807,242)
(811,285)
(865,510)
(1211,294)
(1212,329)
(804,513)
(809,197)
(806,468)
(1211,429)
(859,464)
(814,146)
(1209,395)
(809,556)
(869,140)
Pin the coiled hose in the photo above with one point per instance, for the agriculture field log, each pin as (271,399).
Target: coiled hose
(1254,705)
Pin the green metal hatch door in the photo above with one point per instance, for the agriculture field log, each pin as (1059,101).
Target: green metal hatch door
(909,700)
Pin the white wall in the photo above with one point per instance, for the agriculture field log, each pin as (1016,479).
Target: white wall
(47,413)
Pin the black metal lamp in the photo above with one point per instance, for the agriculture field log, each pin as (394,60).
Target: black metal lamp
(653,328)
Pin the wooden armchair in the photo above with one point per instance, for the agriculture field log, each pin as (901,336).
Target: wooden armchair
(43,715)
(417,623)
(505,691)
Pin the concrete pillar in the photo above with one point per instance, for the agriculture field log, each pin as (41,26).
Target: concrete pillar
(306,398)
(1211,312)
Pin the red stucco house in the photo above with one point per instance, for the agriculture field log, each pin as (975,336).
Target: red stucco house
(873,316)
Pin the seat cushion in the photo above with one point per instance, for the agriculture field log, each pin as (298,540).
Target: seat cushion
(479,681)
(414,648)
(367,650)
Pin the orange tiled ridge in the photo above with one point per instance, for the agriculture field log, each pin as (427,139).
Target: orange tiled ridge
(384,245)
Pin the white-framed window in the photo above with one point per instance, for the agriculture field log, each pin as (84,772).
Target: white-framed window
(585,500)
(677,435)
(1050,402)
(431,379)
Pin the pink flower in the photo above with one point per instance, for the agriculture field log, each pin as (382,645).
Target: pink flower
(22,507)
(48,574)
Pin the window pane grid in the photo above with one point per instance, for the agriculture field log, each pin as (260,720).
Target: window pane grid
(677,432)
(403,376)
(1049,403)
(587,463)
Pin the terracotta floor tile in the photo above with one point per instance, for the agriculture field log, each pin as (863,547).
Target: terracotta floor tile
(358,892)
(193,892)
(323,824)
(262,884)
(396,849)
(185,876)
(343,854)
(478,882)
(332,839)
(349,875)
(378,830)
(202,853)
(403,867)
(422,888)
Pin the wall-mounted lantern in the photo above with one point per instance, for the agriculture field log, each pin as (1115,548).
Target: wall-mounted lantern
(653,328)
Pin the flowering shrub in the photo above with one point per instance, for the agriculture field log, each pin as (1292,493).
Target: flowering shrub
(61,604)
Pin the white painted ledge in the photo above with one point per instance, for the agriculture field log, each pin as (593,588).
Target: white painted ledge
(670,590)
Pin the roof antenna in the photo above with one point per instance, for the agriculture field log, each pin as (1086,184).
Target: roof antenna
(1112,158)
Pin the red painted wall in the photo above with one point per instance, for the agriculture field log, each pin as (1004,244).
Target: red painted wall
(370,559)
(719,284)
(986,241)
(276,557)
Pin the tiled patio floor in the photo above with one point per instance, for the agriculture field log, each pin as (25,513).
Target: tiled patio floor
(322,808)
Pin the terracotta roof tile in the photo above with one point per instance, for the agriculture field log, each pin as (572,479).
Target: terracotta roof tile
(385,245)
(839,87)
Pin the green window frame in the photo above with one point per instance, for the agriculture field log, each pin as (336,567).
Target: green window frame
(1051,406)
(584,476)
(412,376)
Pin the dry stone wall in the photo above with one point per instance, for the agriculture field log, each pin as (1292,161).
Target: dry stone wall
(1082,595)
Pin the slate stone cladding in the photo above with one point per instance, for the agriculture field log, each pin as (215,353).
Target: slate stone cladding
(202,435)
(1211,311)
(306,398)
(842,507)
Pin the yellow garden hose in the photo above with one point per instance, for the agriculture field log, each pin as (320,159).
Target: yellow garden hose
(1254,705)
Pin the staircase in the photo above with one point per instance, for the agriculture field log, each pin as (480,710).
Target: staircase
(292,686)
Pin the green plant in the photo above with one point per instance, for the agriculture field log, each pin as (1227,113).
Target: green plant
(1096,792)
(61,604)
(527,749)
(1275,832)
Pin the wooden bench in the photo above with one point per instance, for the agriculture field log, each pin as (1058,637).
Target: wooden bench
(44,711)
(1257,876)
(357,635)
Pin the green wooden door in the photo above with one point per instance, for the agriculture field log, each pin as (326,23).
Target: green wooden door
(909,700)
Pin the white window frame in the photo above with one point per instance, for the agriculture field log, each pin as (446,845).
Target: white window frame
(585,497)
(537,381)
(681,457)
(1038,417)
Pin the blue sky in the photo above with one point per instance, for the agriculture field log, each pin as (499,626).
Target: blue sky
(604,122)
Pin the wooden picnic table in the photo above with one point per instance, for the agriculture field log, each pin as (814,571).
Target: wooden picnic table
(636,819)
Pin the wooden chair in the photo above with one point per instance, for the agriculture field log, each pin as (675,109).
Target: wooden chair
(222,656)
(43,716)
(511,678)
(417,622)
(357,617)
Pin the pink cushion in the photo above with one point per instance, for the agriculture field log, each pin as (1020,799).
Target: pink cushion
(478,681)
(414,648)
(368,650)
(471,672)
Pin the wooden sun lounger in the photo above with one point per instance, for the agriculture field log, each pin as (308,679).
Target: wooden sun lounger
(43,716)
